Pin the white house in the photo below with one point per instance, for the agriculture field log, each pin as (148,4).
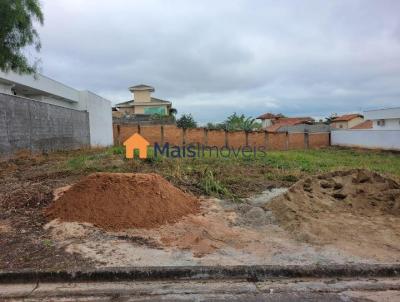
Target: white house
(384,134)
(44,89)
(384,119)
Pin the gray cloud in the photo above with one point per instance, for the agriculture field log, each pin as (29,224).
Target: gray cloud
(212,58)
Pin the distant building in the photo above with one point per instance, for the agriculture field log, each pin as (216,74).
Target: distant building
(143,103)
(364,125)
(384,119)
(347,121)
(380,130)
(43,89)
(273,123)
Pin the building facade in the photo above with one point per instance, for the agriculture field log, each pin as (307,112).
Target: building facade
(347,121)
(384,119)
(43,89)
(143,103)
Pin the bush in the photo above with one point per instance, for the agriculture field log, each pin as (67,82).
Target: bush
(186,121)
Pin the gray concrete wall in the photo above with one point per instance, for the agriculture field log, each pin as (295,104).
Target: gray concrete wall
(316,128)
(26,124)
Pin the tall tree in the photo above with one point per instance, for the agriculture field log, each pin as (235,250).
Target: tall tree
(17,32)
(240,122)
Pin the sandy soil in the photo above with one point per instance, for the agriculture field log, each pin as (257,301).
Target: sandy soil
(222,234)
(356,211)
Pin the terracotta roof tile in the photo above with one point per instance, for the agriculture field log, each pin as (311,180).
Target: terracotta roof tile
(346,117)
(266,116)
(289,121)
(364,125)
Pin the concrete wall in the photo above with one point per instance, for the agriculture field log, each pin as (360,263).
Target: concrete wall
(142,96)
(48,91)
(320,127)
(100,118)
(31,125)
(236,139)
(374,139)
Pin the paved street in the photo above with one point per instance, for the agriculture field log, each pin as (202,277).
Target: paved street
(222,290)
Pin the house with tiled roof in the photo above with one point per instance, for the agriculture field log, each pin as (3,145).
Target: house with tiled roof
(364,125)
(143,103)
(347,121)
(272,122)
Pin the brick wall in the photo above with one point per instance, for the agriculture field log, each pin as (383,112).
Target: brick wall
(176,136)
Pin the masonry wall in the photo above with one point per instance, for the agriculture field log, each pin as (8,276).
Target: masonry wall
(26,124)
(367,138)
(100,118)
(236,139)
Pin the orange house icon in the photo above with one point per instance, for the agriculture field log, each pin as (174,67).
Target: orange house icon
(136,141)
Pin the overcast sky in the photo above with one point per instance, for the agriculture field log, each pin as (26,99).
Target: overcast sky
(212,58)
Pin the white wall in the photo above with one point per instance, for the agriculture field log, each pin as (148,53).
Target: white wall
(44,84)
(374,139)
(390,124)
(100,118)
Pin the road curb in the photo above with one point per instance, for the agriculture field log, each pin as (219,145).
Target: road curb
(251,273)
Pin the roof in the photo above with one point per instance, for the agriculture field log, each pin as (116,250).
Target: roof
(346,117)
(274,128)
(289,121)
(266,116)
(364,125)
(141,87)
(131,103)
(40,85)
(294,120)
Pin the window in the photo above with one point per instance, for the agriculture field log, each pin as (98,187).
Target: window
(381,123)
(155,110)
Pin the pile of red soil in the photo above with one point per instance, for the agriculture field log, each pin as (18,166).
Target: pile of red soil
(116,201)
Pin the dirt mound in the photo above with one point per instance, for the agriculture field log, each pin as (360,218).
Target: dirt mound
(357,210)
(116,201)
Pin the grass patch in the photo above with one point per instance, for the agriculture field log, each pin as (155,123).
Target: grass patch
(234,177)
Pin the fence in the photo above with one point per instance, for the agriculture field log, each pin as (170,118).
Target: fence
(36,126)
(374,139)
(219,138)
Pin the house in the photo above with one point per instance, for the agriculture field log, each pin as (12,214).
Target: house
(364,125)
(384,119)
(143,103)
(46,90)
(347,121)
(380,130)
(273,123)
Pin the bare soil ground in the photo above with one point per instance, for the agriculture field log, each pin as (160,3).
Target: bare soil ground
(26,187)
(356,211)
(340,229)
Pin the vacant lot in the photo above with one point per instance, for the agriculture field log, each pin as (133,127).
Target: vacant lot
(27,184)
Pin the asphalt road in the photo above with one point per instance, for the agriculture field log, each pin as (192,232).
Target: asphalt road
(383,289)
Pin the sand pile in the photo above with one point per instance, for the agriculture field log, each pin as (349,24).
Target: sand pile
(356,210)
(115,201)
